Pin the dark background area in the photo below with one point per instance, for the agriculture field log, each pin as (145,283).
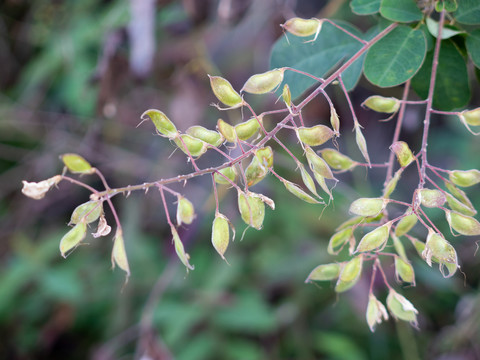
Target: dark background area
(75,76)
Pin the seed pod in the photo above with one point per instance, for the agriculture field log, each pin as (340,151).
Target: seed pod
(255,172)
(335,121)
(224,92)
(87,212)
(252,209)
(220,234)
(404,271)
(376,311)
(227,131)
(460,207)
(247,129)
(388,105)
(324,272)
(229,172)
(338,240)
(195,147)
(361,143)
(465,178)
(162,123)
(401,308)
(375,239)
(287,96)
(392,184)
(337,160)
(350,274)
(209,136)
(185,211)
(462,224)
(73,238)
(358,220)
(317,164)
(298,192)
(441,251)
(459,195)
(307,179)
(431,198)
(367,206)
(314,136)
(180,250)
(265,82)
(418,245)
(265,156)
(323,184)
(472,117)
(303,27)
(403,153)
(399,248)
(38,190)
(119,255)
(103,229)
(406,223)
(77,164)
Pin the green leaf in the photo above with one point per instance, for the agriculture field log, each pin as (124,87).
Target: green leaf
(317,58)
(468,12)
(400,10)
(452,88)
(473,47)
(447,32)
(365,7)
(396,57)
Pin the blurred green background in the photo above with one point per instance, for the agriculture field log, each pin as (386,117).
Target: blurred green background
(75,76)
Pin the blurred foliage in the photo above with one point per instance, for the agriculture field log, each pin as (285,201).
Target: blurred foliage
(66,86)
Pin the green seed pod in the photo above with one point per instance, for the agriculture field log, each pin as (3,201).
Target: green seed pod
(119,255)
(252,209)
(335,121)
(247,129)
(472,117)
(459,195)
(403,153)
(406,223)
(224,92)
(338,241)
(209,136)
(404,271)
(392,184)
(307,179)
(358,220)
(229,172)
(317,164)
(361,143)
(299,193)
(440,250)
(265,82)
(195,147)
(388,105)
(337,160)
(324,272)
(180,250)
(465,178)
(220,234)
(255,172)
(418,245)
(323,184)
(73,238)
(38,190)
(265,156)
(376,311)
(303,27)
(460,207)
(462,224)
(227,131)
(350,274)
(185,211)
(314,136)
(77,164)
(399,248)
(431,198)
(367,206)
(287,96)
(401,308)
(87,212)
(162,123)
(375,239)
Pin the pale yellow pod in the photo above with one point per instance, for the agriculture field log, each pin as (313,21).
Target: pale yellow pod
(382,104)
(247,129)
(224,92)
(227,130)
(303,27)
(220,234)
(316,135)
(195,147)
(209,136)
(265,82)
